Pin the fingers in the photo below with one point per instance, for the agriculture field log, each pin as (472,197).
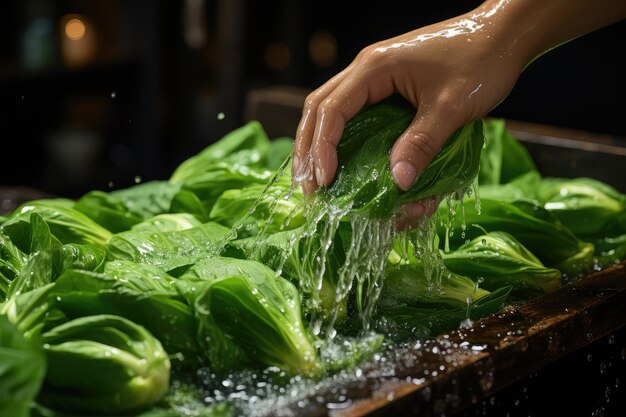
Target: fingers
(341,105)
(414,211)
(302,166)
(418,145)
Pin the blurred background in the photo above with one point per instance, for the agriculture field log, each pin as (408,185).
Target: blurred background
(100,94)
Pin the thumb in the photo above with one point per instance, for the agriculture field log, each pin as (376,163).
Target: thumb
(418,145)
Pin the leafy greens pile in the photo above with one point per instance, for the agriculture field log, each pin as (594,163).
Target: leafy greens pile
(225,266)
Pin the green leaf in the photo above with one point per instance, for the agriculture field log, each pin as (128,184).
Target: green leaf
(404,323)
(246,146)
(278,203)
(66,224)
(279,150)
(610,250)
(503,158)
(168,223)
(410,284)
(108,211)
(497,259)
(294,255)
(222,176)
(22,368)
(536,228)
(589,208)
(142,294)
(187,202)
(45,266)
(169,251)
(253,308)
(364,181)
(103,364)
(11,262)
(29,311)
(119,210)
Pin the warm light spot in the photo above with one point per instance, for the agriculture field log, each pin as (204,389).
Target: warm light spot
(277,56)
(75,29)
(323,48)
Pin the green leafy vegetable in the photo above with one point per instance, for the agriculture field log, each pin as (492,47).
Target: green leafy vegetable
(119,210)
(140,293)
(255,309)
(610,250)
(187,202)
(103,364)
(410,284)
(169,251)
(586,206)
(503,158)
(498,260)
(246,146)
(279,150)
(364,180)
(294,255)
(536,228)
(168,223)
(278,204)
(11,262)
(404,323)
(22,368)
(66,224)
(50,258)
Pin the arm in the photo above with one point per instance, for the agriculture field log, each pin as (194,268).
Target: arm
(453,72)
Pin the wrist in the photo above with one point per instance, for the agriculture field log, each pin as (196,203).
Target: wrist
(514,29)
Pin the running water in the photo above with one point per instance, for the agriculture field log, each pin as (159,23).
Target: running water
(325,285)
(240,224)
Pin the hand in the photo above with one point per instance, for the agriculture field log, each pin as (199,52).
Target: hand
(453,72)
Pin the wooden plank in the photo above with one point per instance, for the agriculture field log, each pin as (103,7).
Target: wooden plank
(461,368)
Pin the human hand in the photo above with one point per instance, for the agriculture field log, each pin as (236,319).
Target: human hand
(453,72)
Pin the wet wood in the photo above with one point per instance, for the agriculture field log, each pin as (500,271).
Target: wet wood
(500,349)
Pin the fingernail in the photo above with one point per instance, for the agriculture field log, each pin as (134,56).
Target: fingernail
(318,176)
(414,210)
(295,165)
(404,173)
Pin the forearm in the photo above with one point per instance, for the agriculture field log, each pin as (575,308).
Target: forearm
(532,27)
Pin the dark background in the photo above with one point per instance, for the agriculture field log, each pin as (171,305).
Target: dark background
(151,77)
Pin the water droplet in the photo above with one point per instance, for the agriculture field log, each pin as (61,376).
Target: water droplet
(611,339)
(113,94)
(111,184)
(220,116)
(137,179)
(589,357)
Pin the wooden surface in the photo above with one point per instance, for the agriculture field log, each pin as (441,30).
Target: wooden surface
(459,369)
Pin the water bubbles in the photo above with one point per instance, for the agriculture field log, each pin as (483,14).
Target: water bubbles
(611,339)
